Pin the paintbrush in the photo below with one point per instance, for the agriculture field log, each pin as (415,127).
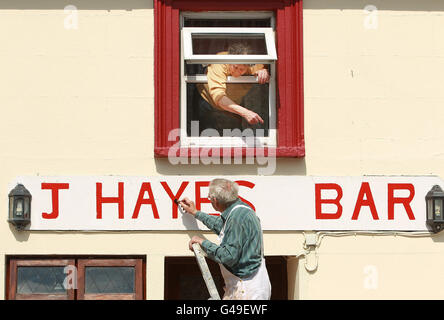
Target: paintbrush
(179,206)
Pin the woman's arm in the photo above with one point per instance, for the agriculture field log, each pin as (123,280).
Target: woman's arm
(229,105)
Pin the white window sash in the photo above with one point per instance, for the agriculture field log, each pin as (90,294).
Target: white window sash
(189,57)
(201,78)
(226,142)
(186,55)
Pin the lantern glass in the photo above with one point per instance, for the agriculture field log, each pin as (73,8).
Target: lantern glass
(26,208)
(11,208)
(438,209)
(19,207)
(429,209)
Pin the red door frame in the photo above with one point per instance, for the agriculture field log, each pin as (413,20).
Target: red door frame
(290,98)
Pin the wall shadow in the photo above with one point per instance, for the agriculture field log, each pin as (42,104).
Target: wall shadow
(20,236)
(393,5)
(438,237)
(80,4)
(293,166)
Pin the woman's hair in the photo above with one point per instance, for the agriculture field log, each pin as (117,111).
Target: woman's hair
(239,48)
(224,191)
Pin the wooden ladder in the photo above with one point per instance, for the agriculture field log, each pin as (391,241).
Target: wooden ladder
(200,257)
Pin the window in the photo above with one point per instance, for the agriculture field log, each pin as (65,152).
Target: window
(75,279)
(192,35)
(208,56)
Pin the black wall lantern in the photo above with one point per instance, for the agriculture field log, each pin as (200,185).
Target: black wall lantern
(19,207)
(435,206)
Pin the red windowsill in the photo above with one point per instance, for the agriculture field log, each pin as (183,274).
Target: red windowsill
(280,152)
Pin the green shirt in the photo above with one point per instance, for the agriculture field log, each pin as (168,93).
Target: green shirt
(241,247)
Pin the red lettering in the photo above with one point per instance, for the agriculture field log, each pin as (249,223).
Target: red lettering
(174,196)
(392,200)
(319,201)
(247,184)
(54,187)
(100,200)
(365,191)
(199,199)
(146,187)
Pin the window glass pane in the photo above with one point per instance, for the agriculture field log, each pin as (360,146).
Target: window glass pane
(202,114)
(195,69)
(109,279)
(231,43)
(241,23)
(40,280)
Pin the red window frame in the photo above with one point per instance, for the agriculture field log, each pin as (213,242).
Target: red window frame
(290,99)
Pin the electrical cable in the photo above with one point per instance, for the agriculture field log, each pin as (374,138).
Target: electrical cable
(412,234)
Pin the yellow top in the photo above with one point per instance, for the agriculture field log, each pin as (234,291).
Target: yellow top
(217,85)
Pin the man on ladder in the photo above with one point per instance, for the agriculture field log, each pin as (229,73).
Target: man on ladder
(240,252)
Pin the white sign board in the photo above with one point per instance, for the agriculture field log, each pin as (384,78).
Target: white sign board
(281,202)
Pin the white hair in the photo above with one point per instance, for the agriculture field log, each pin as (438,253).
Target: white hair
(224,191)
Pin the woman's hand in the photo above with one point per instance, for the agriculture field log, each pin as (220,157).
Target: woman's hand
(262,76)
(252,117)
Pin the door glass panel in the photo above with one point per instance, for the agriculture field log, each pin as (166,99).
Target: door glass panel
(109,279)
(40,280)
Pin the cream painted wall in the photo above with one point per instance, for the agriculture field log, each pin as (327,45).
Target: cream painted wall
(373,101)
(373,97)
(80,102)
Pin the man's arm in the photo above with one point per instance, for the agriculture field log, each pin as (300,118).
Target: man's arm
(214,223)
